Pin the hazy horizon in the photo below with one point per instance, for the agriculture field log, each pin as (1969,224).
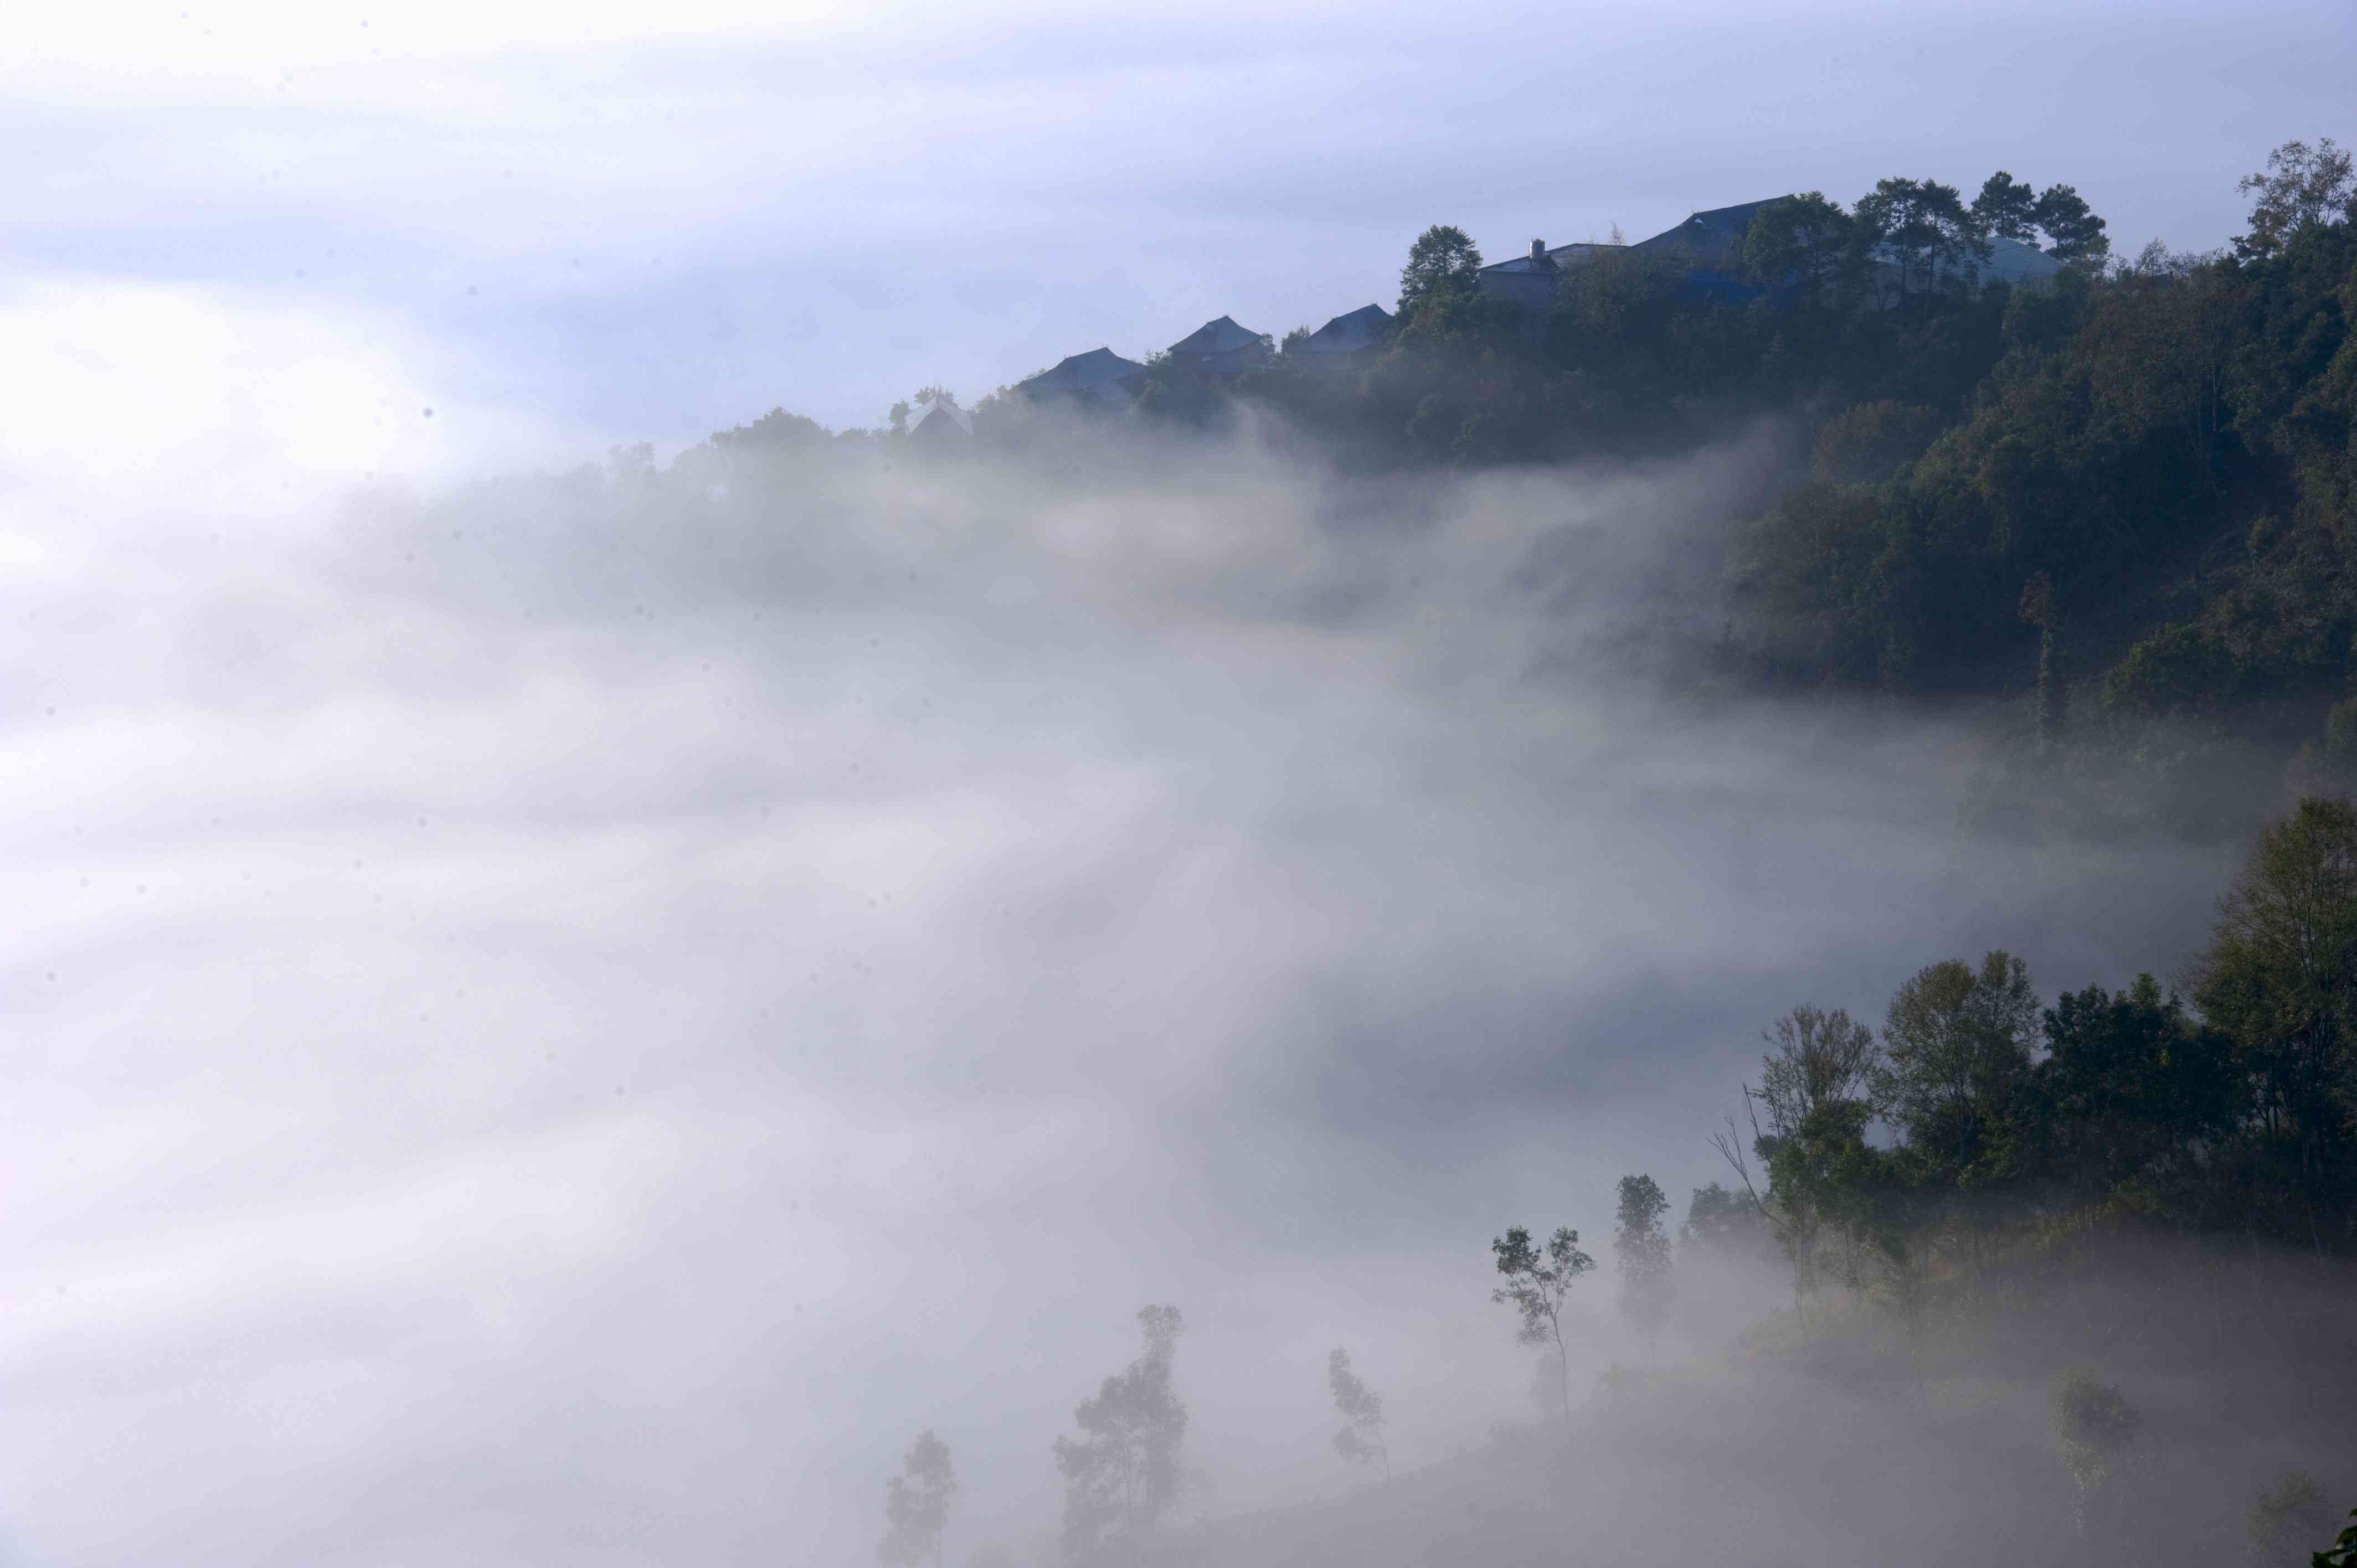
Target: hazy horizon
(648,226)
(567,1020)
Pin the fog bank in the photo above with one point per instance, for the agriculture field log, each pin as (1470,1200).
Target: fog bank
(570,1015)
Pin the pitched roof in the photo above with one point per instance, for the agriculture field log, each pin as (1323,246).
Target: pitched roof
(2017,261)
(1545,262)
(1216,336)
(1100,372)
(1709,234)
(1581,251)
(944,417)
(1348,334)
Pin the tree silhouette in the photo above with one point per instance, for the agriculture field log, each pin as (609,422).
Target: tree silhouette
(1642,1247)
(1122,1473)
(917,1505)
(1536,1283)
(1360,1437)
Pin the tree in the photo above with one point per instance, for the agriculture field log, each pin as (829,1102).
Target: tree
(2164,354)
(2280,978)
(1820,1058)
(1536,1283)
(2094,1424)
(2039,609)
(1642,1249)
(1805,243)
(1442,263)
(2302,186)
(1360,1437)
(1925,229)
(2006,206)
(776,431)
(1811,1086)
(2129,1095)
(1122,1473)
(1956,1041)
(1723,1223)
(2074,233)
(917,1505)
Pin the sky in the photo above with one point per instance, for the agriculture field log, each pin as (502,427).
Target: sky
(647,223)
(550,1028)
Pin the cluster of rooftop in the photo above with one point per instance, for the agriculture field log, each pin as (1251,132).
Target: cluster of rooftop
(1707,247)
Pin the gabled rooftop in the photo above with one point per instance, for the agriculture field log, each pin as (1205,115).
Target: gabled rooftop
(1580,253)
(1218,336)
(1100,373)
(1709,235)
(1364,328)
(944,419)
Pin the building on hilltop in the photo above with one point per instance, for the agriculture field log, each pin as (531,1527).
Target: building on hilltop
(944,424)
(1527,281)
(1530,280)
(1584,252)
(1220,347)
(1348,340)
(1098,376)
(1708,247)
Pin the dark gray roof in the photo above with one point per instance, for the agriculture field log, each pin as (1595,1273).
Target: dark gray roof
(1580,253)
(1707,235)
(2016,262)
(1524,265)
(1361,329)
(1216,336)
(1097,374)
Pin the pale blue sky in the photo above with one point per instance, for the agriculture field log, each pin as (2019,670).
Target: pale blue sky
(649,224)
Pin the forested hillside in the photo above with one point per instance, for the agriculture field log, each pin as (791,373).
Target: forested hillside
(2147,465)
(2129,491)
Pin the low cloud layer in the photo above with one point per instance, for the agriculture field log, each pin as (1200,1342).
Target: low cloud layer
(564,1019)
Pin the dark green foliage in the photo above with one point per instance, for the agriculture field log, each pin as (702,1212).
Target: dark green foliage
(2239,1119)
(1925,228)
(2302,189)
(1806,245)
(2074,233)
(2342,1553)
(2131,1096)
(2007,206)
(2279,981)
(1443,262)
(1956,1045)
(1873,441)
